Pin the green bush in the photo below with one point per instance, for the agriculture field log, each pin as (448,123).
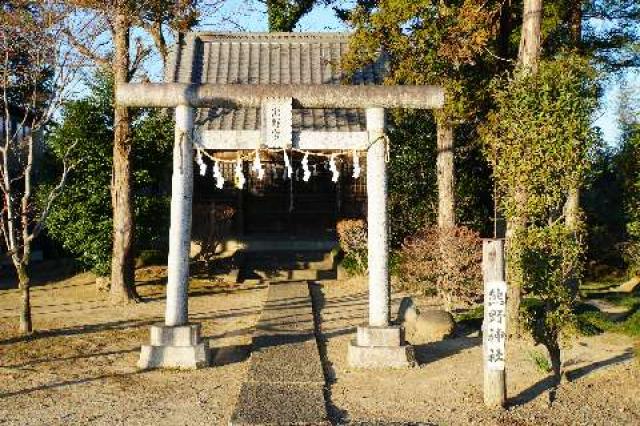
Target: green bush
(539,137)
(352,266)
(631,326)
(471,318)
(629,164)
(550,259)
(541,361)
(592,323)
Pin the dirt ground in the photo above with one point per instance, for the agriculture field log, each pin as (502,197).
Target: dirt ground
(446,388)
(80,367)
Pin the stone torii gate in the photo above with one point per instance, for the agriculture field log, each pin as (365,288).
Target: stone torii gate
(177,343)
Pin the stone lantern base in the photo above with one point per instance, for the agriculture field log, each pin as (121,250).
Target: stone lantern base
(380,347)
(175,347)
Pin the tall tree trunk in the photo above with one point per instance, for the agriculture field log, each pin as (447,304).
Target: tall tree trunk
(445,174)
(122,264)
(26,324)
(530,40)
(572,206)
(528,59)
(575,23)
(572,210)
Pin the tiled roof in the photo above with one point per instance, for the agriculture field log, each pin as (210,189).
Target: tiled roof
(270,58)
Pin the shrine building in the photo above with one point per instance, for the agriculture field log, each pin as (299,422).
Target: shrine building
(272,205)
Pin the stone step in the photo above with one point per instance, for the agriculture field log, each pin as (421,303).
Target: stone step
(268,264)
(287,266)
(283,244)
(286,275)
(290,260)
(285,382)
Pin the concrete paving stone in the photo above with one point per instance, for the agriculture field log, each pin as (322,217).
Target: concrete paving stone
(296,316)
(280,404)
(288,310)
(285,384)
(295,362)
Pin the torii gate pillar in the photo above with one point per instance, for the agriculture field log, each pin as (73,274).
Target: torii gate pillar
(176,343)
(378,344)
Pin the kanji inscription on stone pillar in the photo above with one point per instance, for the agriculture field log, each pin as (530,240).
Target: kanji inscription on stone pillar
(495,324)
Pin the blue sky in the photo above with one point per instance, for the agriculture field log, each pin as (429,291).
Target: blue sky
(236,15)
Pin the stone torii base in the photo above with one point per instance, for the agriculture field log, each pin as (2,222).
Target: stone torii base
(175,347)
(380,347)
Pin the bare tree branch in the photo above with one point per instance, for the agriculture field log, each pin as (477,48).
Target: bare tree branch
(84,50)
(141,54)
(54,193)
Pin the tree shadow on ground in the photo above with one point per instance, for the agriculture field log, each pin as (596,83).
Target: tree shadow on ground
(583,371)
(68,308)
(199,292)
(548,383)
(123,324)
(79,330)
(66,383)
(336,414)
(25,365)
(40,273)
(435,351)
(232,354)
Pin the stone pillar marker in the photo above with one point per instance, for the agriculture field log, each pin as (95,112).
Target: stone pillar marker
(176,343)
(494,324)
(378,344)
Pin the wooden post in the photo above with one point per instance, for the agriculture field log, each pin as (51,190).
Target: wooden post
(494,324)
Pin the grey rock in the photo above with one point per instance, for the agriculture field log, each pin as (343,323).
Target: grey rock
(424,326)
(430,326)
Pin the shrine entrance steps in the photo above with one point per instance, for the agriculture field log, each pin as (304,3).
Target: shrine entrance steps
(285,265)
(285,383)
